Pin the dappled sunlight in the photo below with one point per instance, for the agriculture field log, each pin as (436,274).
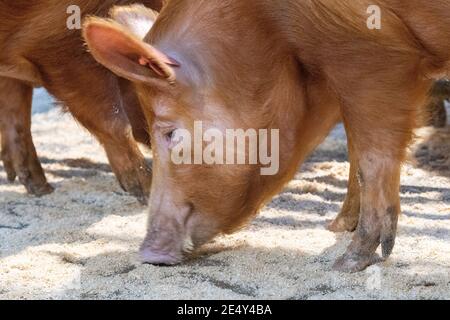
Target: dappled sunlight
(82,241)
(32,274)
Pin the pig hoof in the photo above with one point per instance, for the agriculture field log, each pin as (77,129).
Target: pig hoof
(139,194)
(136,190)
(158,259)
(137,184)
(355,262)
(11,176)
(343,224)
(40,190)
(10,172)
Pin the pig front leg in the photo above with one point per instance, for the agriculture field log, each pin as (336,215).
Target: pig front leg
(347,220)
(380,113)
(18,152)
(102,112)
(377,151)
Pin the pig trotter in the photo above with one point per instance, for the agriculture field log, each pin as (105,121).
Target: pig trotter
(20,161)
(35,186)
(352,262)
(130,167)
(361,251)
(137,182)
(370,233)
(344,223)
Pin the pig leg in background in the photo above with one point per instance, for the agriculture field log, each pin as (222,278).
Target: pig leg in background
(347,220)
(437,114)
(18,151)
(103,114)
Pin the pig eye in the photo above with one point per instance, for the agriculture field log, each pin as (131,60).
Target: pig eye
(170,135)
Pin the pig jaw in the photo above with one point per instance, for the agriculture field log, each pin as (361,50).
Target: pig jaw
(170,239)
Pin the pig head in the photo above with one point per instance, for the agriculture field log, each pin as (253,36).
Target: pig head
(295,66)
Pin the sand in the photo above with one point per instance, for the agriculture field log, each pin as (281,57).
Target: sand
(81,242)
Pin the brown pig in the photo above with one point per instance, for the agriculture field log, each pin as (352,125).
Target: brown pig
(297,66)
(38,49)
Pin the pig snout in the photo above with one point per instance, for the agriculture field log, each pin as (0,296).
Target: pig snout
(172,238)
(166,243)
(164,248)
(153,256)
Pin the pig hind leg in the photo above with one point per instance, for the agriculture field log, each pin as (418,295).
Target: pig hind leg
(18,152)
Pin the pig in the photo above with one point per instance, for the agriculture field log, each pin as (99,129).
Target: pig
(38,49)
(297,66)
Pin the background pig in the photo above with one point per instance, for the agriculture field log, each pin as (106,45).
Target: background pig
(37,49)
(295,65)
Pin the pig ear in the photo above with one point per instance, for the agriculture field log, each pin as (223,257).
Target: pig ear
(125,54)
(136,18)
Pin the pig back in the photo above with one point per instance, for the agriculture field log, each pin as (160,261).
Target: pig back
(38,29)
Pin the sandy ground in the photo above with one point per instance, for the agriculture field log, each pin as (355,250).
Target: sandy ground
(81,242)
